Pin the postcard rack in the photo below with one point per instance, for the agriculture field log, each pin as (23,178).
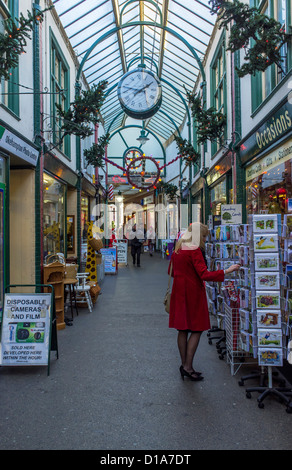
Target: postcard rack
(254,305)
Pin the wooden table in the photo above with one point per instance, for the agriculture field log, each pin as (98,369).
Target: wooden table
(71,284)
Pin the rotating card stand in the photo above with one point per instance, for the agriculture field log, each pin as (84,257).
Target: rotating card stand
(266,375)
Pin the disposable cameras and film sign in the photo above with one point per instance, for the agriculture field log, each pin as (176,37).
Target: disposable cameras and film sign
(26,330)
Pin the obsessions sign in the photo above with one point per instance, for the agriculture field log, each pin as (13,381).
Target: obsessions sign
(276,126)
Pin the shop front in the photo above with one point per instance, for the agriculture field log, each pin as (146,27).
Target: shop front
(18,159)
(60,209)
(267,154)
(219,181)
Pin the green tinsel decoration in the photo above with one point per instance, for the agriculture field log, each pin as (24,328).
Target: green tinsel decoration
(14,39)
(83,111)
(262,37)
(94,155)
(169,189)
(210,122)
(189,154)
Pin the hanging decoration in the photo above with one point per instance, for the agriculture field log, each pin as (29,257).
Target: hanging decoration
(259,35)
(83,111)
(169,189)
(187,151)
(131,177)
(14,39)
(94,155)
(131,155)
(210,122)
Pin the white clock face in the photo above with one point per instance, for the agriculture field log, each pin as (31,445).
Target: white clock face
(139,91)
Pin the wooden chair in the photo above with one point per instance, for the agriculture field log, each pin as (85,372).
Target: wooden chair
(82,291)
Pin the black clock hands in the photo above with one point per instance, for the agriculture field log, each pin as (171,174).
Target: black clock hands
(142,89)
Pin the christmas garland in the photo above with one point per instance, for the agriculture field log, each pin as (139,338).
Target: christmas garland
(210,122)
(169,189)
(186,150)
(94,155)
(83,111)
(14,39)
(259,35)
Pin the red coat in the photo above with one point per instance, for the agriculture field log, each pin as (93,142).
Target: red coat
(188,304)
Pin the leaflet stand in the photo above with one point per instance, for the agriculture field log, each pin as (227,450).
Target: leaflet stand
(53,340)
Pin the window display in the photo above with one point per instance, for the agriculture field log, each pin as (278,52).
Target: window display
(84,217)
(53,215)
(270,187)
(218,197)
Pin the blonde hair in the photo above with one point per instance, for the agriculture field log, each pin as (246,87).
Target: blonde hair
(196,231)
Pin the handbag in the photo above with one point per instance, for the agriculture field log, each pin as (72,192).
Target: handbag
(168,293)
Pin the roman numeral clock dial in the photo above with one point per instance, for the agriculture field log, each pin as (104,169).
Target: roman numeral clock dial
(139,93)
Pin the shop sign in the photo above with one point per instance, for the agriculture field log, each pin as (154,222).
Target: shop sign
(219,169)
(26,330)
(279,124)
(231,214)
(18,147)
(273,159)
(122,250)
(149,199)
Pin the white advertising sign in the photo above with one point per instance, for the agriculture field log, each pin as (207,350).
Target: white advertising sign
(26,328)
(18,147)
(122,251)
(231,214)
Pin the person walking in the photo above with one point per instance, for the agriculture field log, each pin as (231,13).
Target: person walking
(137,239)
(150,235)
(188,304)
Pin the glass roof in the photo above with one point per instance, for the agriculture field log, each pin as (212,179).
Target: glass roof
(128,33)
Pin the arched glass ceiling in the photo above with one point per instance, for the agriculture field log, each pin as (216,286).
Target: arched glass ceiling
(87,21)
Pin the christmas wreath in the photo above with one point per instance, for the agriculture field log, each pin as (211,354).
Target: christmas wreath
(186,150)
(83,111)
(259,35)
(14,39)
(210,122)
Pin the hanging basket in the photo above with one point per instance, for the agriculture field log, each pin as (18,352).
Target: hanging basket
(95,243)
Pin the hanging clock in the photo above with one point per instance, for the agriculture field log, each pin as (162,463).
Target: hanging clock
(139,92)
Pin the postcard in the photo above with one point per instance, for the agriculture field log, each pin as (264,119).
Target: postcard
(269,318)
(266,262)
(266,242)
(268,299)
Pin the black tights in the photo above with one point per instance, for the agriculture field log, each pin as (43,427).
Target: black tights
(187,347)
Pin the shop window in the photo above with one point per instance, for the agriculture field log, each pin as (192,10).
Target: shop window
(263,83)
(84,217)
(60,94)
(218,86)
(268,192)
(53,216)
(9,89)
(218,197)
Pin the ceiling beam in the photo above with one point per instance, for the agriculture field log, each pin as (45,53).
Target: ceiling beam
(163,34)
(119,34)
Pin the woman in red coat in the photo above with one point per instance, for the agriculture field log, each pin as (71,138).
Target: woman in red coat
(188,305)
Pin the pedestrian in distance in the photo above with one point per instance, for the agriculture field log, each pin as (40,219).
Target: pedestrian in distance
(137,238)
(189,313)
(150,235)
